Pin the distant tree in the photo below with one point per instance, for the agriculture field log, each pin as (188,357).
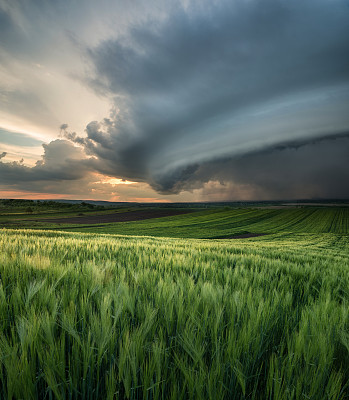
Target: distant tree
(29,210)
(87,205)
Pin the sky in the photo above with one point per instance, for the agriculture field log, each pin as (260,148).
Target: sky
(149,101)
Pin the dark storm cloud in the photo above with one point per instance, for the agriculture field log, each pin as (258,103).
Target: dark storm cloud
(220,82)
(317,168)
(270,46)
(244,91)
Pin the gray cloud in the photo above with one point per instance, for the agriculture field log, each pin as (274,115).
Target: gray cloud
(244,94)
(314,169)
(221,83)
(62,161)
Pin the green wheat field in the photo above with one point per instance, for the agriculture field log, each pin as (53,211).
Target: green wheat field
(163,309)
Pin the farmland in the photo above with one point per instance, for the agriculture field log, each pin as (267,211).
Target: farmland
(199,224)
(167,308)
(222,224)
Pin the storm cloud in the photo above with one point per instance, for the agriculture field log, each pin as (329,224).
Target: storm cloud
(221,82)
(239,97)
(316,169)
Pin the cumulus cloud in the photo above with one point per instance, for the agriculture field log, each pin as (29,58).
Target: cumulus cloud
(66,171)
(62,161)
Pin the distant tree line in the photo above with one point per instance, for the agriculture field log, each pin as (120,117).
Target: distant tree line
(40,205)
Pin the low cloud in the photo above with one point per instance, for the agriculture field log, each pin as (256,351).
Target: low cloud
(318,169)
(62,161)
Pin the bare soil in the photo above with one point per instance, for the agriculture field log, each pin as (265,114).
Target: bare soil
(118,217)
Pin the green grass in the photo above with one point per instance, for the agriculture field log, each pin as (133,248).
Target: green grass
(91,316)
(222,223)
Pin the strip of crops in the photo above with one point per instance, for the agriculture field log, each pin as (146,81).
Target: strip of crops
(225,223)
(108,317)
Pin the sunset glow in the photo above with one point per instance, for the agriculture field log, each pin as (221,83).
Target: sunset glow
(116,181)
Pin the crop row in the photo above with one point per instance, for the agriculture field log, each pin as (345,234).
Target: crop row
(226,223)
